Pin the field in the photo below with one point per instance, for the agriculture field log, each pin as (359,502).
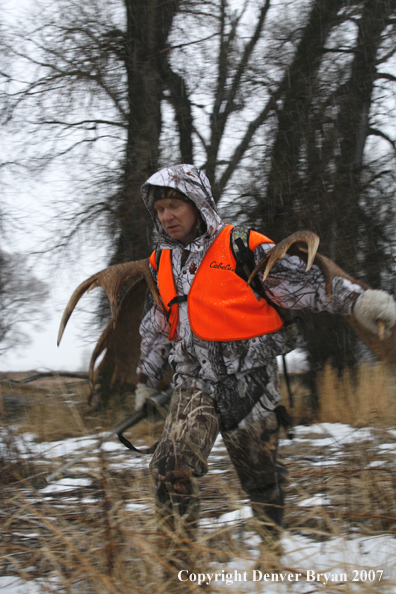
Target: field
(92,528)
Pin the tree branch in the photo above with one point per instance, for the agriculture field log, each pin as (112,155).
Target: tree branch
(180,45)
(224,101)
(181,103)
(338,50)
(245,59)
(243,145)
(376,132)
(82,123)
(386,76)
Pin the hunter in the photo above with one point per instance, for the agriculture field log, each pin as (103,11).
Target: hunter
(221,338)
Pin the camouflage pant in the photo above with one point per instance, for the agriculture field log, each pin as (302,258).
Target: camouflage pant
(189,433)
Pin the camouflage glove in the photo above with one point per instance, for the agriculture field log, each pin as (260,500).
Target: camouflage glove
(143,392)
(373,307)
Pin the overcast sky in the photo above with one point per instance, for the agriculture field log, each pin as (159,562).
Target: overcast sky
(29,205)
(63,275)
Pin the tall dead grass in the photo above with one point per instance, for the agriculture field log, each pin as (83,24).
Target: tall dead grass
(96,539)
(55,409)
(361,398)
(301,411)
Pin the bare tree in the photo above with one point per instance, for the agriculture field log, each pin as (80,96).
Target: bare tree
(89,88)
(117,89)
(94,81)
(21,300)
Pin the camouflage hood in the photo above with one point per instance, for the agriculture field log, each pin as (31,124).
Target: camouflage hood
(194,184)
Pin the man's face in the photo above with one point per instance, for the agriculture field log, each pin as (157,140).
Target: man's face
(179,219)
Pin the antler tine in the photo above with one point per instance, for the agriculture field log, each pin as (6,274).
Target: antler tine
(74,299)
(330,270)
(111,279)
(106,340)
(281,248)
(101,345)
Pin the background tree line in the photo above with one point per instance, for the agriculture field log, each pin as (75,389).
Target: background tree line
(288,107)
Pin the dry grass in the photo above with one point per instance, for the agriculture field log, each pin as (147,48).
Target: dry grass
(54,409)
(95,539)
(362,398)
(367,397)
(302,410)
(91,542)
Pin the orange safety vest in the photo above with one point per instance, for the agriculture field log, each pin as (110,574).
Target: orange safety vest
(221,306)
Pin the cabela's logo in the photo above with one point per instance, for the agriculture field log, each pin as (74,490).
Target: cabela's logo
(220,265)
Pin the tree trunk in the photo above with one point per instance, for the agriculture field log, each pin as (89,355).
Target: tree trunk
(148,26)
(352,131)
(279,212)
(344,225)
(320,188)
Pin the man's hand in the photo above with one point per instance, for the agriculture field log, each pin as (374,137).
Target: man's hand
(373,307)
(143,392)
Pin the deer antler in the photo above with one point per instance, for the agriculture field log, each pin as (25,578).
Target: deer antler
(117,335)
(331,270)
(101,346)
(111,279)
(280,250)
(384,348)
(292,245)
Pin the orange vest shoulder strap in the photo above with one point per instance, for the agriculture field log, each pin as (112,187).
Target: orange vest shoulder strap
(155,258)
(153,261)
(166,286)
(243,242)
(256,238)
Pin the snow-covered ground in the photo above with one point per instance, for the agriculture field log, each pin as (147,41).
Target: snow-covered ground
(348,562)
